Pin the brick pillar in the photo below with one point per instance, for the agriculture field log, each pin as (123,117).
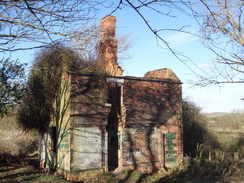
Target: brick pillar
(108,48)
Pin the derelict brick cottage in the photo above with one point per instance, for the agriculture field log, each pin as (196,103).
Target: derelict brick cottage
(110,122)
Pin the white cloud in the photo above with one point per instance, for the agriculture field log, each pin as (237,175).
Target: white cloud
(206,66)
(180,39)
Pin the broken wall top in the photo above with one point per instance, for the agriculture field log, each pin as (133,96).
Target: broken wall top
(162,74)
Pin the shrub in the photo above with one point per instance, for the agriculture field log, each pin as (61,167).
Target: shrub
(15,144)
(15,148)
(195,130)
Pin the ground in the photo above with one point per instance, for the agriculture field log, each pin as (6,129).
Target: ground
(28,171)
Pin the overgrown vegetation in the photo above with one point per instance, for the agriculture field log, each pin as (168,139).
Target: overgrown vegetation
(218,134)
(15,144)
(36,109)
(198,167)
(210,150)
(195,129)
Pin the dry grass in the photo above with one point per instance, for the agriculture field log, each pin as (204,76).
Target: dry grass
(15,148)
(15,144)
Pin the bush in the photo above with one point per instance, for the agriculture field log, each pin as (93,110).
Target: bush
(15,144)
(195,130)
(16,148)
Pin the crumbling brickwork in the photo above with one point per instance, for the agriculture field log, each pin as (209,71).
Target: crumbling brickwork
(112,122)
(153,109)
(108,48)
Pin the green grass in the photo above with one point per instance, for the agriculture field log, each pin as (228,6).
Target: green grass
(14,175)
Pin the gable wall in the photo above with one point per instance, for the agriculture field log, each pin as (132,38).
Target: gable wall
(153,121)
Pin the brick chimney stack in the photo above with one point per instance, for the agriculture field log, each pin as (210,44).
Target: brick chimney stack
(108,48)
(108,27)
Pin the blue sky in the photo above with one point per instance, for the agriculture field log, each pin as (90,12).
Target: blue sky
(148,56)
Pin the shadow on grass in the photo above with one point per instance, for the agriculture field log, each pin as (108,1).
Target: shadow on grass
(19,175)
(25,170)
(6,169)
(136,177)
(198,171)
(129,173)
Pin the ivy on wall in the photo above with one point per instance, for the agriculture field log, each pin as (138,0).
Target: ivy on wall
(44,81)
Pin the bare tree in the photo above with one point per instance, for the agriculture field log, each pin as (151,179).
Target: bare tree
(41,23)
(161,8)
(87,44)
(37,23)
(222,31)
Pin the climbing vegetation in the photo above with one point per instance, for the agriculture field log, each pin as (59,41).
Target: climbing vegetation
(37,109)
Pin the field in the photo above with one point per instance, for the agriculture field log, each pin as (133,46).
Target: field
(229,138)
(18,160)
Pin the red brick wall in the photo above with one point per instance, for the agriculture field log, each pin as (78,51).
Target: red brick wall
(89,95)
(152,133)
(151,101)
(107,62)
(153,127)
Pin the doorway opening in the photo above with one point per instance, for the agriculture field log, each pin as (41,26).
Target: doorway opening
(112,127)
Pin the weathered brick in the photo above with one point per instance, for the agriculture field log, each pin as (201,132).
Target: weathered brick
(127,122)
